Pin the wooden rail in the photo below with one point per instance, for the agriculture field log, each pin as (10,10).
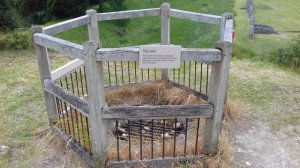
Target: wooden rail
(132,54)
(157,112)
(66,69)
(128,14)
(198,17)
(67,96)
(72,49)
(165,162)
(66,25)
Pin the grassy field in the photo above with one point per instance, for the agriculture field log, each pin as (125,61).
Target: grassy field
(282,17)
(271,93)
(147,30)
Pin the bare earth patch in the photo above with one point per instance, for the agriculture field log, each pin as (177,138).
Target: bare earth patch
(259,146)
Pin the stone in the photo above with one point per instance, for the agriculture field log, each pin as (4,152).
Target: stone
(4,149)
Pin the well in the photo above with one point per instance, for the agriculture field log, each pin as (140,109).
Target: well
(113,113)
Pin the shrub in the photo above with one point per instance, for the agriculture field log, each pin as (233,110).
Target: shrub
(289,56)
(18,39)
(6,16)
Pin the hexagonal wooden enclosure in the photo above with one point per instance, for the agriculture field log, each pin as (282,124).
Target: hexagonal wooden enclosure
(113,113)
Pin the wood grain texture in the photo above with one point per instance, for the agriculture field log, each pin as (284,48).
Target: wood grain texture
(128,14)
(216,96)
(66,69)
(165,162)
(66,25)
(45,73)
(165,32)
(132,54)
(72,49)
(198,17)
(67,96)
(157,112)
(95,84)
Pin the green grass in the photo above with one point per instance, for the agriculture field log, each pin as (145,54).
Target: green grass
(282,17)
(271,92)
(147,30)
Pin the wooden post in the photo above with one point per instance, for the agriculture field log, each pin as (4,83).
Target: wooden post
(217,91)
(95,84)
(165,31)
(93,26)
(45,73)
(225,16)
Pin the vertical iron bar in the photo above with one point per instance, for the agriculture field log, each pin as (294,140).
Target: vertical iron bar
(81,81)
(129,140)
(142,71)
(86,89)
(201,76)
(155,74)
(76,118)
(58,112)
(174,147)
(163,148)
(206,89)
(122,71)
(116,75)
(190,74)
(185,135)
(88,133)
(135,72)
(152,125)
(108,69)
(128,72)
(141,140)
(148,74)
(195,77)
(183,72)
(118,150)
(82,131)
(77,84)
(197,135)
(173,74)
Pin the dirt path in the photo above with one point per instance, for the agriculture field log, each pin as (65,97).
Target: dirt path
(257,146)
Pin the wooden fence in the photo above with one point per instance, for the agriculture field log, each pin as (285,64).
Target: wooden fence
(84,124)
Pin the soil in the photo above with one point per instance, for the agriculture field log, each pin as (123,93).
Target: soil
(257,145)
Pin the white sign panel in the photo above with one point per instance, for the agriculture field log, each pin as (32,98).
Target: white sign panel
(228,30)
(160,56)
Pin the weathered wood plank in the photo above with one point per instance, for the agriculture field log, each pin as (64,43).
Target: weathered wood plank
(66,25)
(165,162)
(45,73)
(72,49)
(67,96)
(72,145)
(189,90)
(199,17)
(132,54)
(165,32)
(157,112)
(66,69)
(95,84)
(217,92)
(128,14)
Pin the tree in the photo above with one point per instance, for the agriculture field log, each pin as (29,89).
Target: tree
(6,16)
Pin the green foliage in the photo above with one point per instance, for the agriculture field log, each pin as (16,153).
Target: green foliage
(289,56)
(6,16)
(67,8)
(16,40)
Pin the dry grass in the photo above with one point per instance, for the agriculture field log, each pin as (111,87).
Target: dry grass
(151,93)
(52,152)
